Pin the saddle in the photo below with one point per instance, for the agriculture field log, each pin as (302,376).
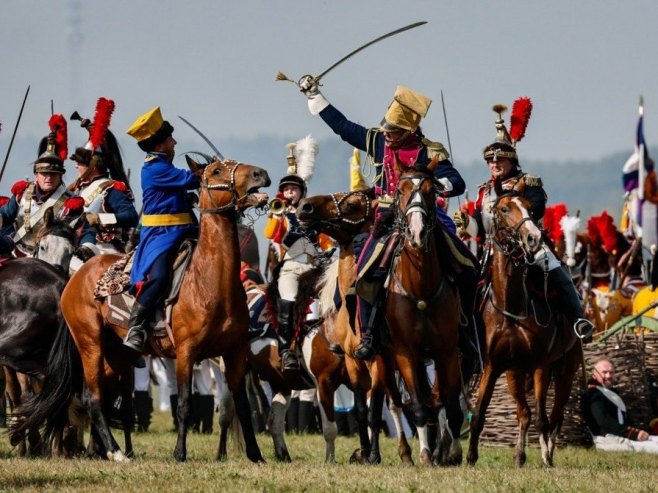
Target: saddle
(114,284)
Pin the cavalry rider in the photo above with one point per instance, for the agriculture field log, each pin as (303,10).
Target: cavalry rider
(102,182)
(503,162)
(168,219)
(300,246)
(22,216)
(398,143)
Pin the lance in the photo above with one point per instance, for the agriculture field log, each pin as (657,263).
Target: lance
(11,142)
(316,78)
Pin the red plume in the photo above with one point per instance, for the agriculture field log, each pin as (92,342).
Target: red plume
(608,232)
(521,110)
(57,124)
(559,211)
(593,231)
(104,110)
(549,220)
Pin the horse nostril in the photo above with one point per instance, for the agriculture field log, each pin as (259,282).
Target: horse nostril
(307,208)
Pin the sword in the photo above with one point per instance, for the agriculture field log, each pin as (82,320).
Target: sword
(206,139)
(11,142)
(282,76)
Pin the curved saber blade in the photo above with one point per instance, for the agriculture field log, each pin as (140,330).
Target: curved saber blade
(387,35)
(206,139)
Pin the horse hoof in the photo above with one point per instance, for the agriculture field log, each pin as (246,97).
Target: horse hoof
(180,456)
(356,457)
(284,457)
(471,458)
(519,459)
(425,457)
(374,459)
(117,456)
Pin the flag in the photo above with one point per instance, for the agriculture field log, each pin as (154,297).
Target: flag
(640,149)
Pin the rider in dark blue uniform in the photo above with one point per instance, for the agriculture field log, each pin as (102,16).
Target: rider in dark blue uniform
(166,222)
(398,143)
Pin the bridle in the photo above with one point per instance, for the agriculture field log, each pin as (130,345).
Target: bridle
(416,203)
(231,206)
(339,220)
(507,238)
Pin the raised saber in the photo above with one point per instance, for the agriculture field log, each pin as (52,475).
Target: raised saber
(11,142)
(206,139)
(282,76)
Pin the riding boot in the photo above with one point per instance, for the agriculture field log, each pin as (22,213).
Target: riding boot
(195,417)
(306,417)
(207,413)
(469,342)
(292,416)
(136,337)
(289,360)
(370,333)
(570,305)
(173,400)
(143,405)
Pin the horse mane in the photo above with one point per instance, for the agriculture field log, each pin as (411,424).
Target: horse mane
(57,227)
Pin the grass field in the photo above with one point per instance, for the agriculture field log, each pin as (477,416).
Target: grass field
(153,469)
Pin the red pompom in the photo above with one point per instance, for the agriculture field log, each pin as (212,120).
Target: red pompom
(3,200)
(552,218)
(104,110)
(57,124)
(120,186)
(593,231)
(608,232)
(74,203)
(521,111)
(18,188)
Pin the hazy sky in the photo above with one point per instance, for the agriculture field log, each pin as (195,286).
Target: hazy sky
(583,62)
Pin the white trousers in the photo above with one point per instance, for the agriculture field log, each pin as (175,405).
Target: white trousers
(614,443)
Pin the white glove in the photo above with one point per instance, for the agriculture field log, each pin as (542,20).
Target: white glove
(311,89)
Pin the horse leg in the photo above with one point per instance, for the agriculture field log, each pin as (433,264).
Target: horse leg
(395,407)
(126,412)
(516,380)
(93,403)
(35,447)
(562,388)
(277,425)
(236,369)
(13,394)
(326,390)
(485,391)
(450,385)
(226,412)
(407,367)
(184,368)
(375,421)
(541,381)
(361,414)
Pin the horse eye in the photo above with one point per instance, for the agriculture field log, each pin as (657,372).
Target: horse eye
(216,171)
(504,209)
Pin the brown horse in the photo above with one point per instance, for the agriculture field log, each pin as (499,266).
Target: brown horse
(347,218)
(423,316)
(515,340)
(210,317)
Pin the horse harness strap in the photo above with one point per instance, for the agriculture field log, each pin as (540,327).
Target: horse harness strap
(420,304)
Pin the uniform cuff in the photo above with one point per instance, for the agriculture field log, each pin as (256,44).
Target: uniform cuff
(317,103)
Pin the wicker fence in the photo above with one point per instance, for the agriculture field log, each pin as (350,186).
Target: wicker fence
(635,358)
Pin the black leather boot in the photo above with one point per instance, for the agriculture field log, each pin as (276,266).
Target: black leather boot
(369,345)
(570,304)
(143,405)
(289,360)
(137,325)
(173,400)
(207,413)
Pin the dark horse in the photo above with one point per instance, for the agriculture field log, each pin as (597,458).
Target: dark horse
(423,316)
(30,289)
(210,317)
(515,342)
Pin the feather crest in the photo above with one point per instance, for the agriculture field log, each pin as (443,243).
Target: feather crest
(306,149)
(608,232)
(521,111)
(57,124)
(102,117)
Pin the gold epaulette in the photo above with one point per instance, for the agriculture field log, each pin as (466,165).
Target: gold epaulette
(533,181)
(150,157)
(435,149)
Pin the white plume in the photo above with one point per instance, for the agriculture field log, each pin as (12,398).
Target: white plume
(306,150)
(570,225)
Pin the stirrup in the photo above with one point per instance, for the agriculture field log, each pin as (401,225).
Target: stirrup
(365,350)
(583,328)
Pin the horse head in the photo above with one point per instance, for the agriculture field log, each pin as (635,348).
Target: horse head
(340,215)
(229,186)
(416,196)
(514,228)
(56,241)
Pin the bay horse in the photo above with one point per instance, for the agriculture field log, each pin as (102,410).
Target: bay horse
(516,342)
(423,315)
(347,217)
(210,316)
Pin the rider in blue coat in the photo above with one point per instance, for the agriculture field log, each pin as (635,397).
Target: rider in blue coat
(167,220)
(398,143)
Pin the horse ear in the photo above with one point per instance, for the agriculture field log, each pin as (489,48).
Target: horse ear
(498,187)
(49,217)
(193,165)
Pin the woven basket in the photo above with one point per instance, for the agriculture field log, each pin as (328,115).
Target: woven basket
(628,354)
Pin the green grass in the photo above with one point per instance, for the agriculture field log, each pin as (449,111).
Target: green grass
(154,469)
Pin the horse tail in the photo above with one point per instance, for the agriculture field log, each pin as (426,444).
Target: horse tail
(62,380)
(236,436)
